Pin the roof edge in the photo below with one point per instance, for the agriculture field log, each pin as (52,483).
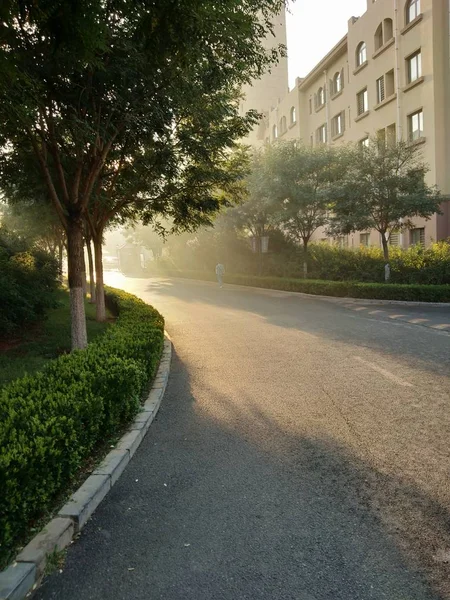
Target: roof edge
(334,53)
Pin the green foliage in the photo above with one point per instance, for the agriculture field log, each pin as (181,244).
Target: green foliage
(50,422)
(28,281)
(382,188)
(341,289)
(47,340)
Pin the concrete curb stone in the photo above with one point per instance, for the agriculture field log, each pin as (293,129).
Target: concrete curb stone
(55,536)
(23,576)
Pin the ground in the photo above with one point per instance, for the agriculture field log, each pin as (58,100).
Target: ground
(29,350)
(301,452)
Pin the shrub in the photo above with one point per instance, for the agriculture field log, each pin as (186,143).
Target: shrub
(50,422)
(28,280)
(341,289)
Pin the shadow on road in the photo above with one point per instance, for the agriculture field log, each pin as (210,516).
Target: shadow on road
(430,349)
(223,501)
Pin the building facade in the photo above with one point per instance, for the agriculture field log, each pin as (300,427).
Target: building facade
(388,77)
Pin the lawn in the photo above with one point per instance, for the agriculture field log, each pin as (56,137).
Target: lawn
(35,347)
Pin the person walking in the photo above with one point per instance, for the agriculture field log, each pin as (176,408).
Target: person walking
(220,272)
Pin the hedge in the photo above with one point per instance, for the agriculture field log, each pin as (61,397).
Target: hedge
(341,289)
(52,421)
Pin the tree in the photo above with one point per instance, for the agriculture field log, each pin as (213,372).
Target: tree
(83,81)
(301,179)
(383,187)
(256,213)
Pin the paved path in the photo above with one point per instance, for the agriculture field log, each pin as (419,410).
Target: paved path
(301,452)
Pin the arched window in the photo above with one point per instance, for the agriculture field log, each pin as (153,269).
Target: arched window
(274,132)
(321,96)
(283,125)
(361,54)
(379,37)
(388,30)
(412,10)
(337,82)
(293,115)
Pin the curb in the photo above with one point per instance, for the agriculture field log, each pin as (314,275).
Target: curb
(26,573)
(337,299)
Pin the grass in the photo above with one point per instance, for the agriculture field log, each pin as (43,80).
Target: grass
(44,342)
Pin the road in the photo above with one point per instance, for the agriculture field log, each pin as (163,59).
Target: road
(301,452)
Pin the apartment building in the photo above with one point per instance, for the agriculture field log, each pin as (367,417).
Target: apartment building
(388,77)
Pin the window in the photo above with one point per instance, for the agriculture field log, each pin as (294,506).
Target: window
(381,139)
(338,124)
(394,238)
(412,10)
(283,125)
(388,32)
(417,236)
(391,134)
(320,98)
(362,100)
(389,83)
(379,37)
(380,89)
(274,132)
(364,239)
(415,125)
(341,241)
(321,134)
(293,115)
(311,141)
(361,54)
(310,106)
(337,83)
(364,143)
(414,66)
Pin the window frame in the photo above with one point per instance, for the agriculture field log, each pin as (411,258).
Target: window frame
(361,53)
(412,6)
(421,234)
(322,128)
(381,89)
(293,114)
(409,62)
(365,94)
(411,136)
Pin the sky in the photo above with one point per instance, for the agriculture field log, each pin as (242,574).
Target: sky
(313,28)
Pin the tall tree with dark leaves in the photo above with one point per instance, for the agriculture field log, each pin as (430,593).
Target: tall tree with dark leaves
(82,81)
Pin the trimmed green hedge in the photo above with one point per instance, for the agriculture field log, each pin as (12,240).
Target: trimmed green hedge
(50,422)
(341,289)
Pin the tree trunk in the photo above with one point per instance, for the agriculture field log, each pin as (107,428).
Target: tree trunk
(91,271)
(60,260)
(100,289)
(305,258)
(385,246)
(83,271)
(75,253)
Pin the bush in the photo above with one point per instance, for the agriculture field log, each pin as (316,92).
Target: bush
(51,422)
(340,289)
(28,280)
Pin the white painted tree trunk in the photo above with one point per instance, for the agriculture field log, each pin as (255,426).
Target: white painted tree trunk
(91,272)
(75,268)
(100,288)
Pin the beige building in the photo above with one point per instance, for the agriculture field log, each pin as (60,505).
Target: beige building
(390,77)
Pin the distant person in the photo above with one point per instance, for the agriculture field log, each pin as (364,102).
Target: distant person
(220,272)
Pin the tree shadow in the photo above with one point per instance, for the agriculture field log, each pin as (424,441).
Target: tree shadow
(318,317)
(227,499)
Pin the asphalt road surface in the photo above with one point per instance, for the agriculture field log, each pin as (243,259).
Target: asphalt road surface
(301,452)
